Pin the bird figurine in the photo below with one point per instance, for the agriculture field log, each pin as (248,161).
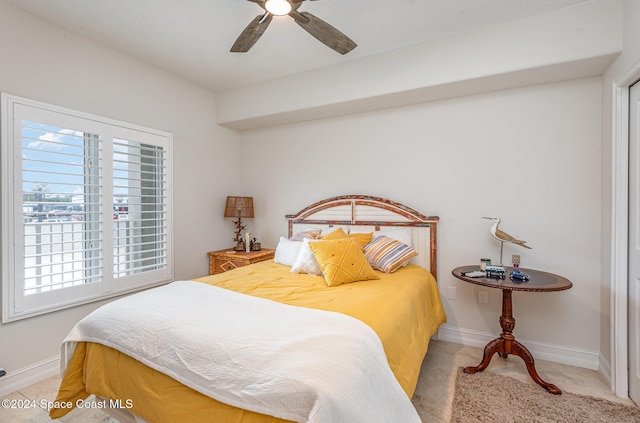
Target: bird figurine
(503,236)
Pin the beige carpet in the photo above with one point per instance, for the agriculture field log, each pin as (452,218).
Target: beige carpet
(488,397)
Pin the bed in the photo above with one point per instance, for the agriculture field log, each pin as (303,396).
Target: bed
(355,344)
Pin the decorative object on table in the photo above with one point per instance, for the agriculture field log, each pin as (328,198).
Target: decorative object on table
(503,236)
(484,262)
(475,274)
(515,261)
(518,276)
(247,242)
(255,245)
(497,272)
(239,207)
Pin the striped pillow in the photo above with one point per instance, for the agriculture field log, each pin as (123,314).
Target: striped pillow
(311,234)
(387,254)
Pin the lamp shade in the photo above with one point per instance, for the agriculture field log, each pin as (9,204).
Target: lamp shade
(239,207)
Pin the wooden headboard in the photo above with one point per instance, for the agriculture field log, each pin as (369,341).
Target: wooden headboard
(364,212)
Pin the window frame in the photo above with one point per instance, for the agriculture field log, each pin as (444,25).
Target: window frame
(11,214)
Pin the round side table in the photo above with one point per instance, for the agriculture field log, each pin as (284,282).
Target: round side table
(506,344)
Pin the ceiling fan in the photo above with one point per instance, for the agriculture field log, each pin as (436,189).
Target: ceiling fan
(315,26)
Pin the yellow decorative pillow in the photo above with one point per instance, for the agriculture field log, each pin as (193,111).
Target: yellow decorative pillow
(338,233)
(361,239)
(342,261)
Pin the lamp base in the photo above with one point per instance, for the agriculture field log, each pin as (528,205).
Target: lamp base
(240,246)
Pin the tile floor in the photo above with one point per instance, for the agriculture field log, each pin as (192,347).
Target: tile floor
(434,393)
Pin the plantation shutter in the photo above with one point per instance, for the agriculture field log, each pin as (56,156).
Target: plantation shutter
(140,207)
(60,171)
(89,215)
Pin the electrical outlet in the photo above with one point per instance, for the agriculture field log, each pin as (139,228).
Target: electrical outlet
(483,297)
(452,293)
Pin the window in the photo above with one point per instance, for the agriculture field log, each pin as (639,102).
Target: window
(85,208)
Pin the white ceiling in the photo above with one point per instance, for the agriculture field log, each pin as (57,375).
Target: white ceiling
(192,38)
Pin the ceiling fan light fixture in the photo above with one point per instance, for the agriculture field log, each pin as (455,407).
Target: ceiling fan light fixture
(278,7)
(315,26)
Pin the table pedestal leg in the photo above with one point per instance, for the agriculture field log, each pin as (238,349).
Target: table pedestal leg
(506,344)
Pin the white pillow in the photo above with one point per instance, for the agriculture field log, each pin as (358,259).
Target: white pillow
(400,234)
(287,251)
(306,262)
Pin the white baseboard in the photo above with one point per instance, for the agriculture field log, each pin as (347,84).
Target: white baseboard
(605,369)
(555,353)
(15,380)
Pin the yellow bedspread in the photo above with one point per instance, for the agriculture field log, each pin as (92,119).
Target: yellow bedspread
(403,308)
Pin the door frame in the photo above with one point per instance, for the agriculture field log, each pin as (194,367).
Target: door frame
(620,231)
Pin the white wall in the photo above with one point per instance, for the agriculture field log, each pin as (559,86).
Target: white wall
(530,156)
(46,63)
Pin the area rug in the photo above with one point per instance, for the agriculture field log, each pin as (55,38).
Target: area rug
(488,397)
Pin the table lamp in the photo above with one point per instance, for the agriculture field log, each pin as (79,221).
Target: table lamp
(239,207)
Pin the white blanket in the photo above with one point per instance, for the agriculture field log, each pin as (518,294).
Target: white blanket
(291,362)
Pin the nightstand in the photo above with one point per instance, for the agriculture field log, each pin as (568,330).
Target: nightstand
(224,260)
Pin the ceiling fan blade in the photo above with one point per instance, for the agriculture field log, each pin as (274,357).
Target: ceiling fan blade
(324,32)
(251,33)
